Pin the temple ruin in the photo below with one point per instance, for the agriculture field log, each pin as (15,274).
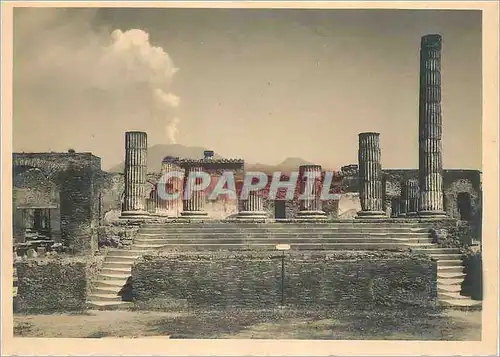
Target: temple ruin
(66,203)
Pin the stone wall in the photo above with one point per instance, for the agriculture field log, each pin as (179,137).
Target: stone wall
(119,235)
(70,183)
(50,284)
(315,279)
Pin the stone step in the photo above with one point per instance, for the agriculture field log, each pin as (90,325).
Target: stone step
(461,303)
(109,290)
(148,247)
(124,252)
(295,225)
(111,284)
(444,256)
(272,240)
(108,305)
(114,276)
(450,281)
(104,297)
(111,270)
(451,295)
(246,234)
(438,250)
(301,246)
(449,288)
(456,263)
(118,265)
(270,228)
(449,275)
(121,259)
(450,269)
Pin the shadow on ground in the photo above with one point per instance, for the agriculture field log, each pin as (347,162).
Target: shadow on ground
(338,325)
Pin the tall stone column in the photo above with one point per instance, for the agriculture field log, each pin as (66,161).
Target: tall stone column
(370,176)
(412,193)
(192,207)
(136,151)
(430,129)
(310,207)
(253,207)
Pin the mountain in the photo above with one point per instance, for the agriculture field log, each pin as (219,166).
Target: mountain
(288,165)
(156,154)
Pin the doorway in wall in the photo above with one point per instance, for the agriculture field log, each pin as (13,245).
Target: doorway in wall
(464,206)
(279,209)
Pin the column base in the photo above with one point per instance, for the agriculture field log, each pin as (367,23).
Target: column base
(135,215)
(411,214)
(251,216)
(194,214)
(311,215)
(371,215)
(402,215)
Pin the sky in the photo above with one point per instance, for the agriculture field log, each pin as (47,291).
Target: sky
(261,85)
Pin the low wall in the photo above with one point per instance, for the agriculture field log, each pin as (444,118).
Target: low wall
(117,235)
(253,279)
(55,284)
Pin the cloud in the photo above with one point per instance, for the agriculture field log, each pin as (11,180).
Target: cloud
(172,130)
(97,81)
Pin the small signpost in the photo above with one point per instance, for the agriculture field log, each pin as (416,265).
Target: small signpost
(283,248)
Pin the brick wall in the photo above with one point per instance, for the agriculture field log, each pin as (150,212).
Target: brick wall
(252,279)
(50,284)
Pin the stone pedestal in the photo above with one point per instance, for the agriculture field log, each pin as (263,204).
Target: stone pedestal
(311,208)
(430,129)
(412,194)
(136,151)
(253,208)
(192,207)
(370,177)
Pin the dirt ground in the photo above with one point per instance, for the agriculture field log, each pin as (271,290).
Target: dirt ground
(288,324)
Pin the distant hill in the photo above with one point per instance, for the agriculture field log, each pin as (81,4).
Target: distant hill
(288,165)
(156,154)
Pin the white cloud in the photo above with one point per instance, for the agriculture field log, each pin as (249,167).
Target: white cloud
(68,74)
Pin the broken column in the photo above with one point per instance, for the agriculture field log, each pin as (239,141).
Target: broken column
(311,206)
(136,151)
(412,194)
(193,204)
(253,207)
(430,129)
(370,176)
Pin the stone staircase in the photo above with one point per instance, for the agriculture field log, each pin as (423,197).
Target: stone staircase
(450,277)
(340,235)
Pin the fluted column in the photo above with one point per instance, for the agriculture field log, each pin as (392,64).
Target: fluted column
(136,151)
(192,207)
(370,176)
(253,207)
(412,193)
(430,128)
(162,205)
(310,184)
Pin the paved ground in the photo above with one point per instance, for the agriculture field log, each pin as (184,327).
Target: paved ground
(291,324)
